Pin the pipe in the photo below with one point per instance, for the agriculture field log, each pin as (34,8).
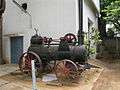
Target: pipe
(34,87)
(80,14)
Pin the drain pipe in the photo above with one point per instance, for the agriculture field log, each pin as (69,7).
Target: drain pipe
(80,16)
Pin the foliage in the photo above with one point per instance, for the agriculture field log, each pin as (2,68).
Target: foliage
(94,39)
(95,35)
(110,32)
(111,9)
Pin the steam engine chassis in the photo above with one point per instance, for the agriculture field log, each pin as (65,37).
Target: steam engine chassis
(63,56)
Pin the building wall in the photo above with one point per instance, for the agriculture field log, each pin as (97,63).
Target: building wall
(56,17)
(0,41)
(53,18)
(97,4)
(17,23)
(89,14)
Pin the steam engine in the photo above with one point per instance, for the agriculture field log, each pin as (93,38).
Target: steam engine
(65,49)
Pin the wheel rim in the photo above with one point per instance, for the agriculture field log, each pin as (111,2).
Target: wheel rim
(71,38)
(66,70)
(25,62)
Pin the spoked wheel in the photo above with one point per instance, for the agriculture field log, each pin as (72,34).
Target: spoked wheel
(66,70)
(71,38)
(25,62)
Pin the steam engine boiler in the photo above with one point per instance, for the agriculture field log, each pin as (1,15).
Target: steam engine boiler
(64,52)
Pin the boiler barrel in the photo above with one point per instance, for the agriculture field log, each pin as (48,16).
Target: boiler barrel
(78,53)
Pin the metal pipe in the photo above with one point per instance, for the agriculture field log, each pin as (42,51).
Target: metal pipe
(58,43)
(80,14)
(34,87)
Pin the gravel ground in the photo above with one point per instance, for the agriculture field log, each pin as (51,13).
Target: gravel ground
(19,81)
(93,79)
(7,68)
(110,77)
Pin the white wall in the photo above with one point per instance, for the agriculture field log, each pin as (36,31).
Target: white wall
(53,18)
(97,4)
(14,22)
(88,13)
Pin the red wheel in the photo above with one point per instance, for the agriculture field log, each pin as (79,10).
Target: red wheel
(66,70)
(71,38)
(25,62)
